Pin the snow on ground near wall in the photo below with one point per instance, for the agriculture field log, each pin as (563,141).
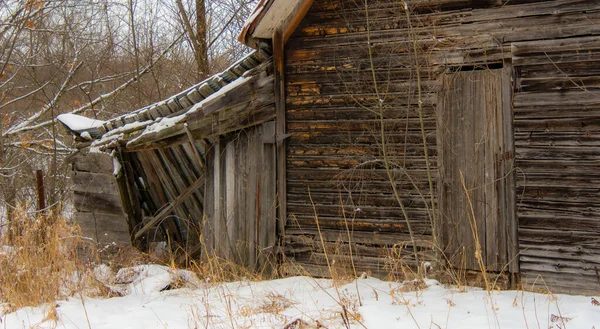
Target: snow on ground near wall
(277,303)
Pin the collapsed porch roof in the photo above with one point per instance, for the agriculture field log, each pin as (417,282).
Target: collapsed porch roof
(165,119)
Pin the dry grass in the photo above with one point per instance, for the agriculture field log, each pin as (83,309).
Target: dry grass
(39,262)
(213,268)
(44,259)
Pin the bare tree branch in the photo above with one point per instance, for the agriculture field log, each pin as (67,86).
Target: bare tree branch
(73,68)
(24,128)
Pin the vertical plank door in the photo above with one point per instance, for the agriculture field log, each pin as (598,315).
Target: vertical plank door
(477,183)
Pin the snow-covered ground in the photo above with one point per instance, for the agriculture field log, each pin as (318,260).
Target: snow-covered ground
(303,302)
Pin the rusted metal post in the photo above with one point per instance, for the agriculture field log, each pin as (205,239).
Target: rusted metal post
(40,190)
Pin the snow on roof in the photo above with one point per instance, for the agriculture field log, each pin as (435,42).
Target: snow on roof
(79,123)
(251,21)
(184,100)
(166,123)
(172,107)
(272,15)
(164,115)
(82,126)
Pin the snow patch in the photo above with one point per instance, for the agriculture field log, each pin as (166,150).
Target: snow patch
(306,302)
(79,123)
(116,165)
(86,135)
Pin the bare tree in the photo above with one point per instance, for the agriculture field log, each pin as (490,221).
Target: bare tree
(100,58)
(197,38)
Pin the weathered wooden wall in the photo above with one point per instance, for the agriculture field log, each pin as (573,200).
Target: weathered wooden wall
(154,181)
(336,166)
(557,137)
(334,116)
(97,201)
(240,200)
(165,169)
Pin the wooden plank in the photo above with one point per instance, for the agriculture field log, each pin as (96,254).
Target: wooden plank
(231,205)
(92,162)
(280,129)
(129,192)
(508,182)
(271,225)
(151,180)
(243,151)
(200,162)
(181,176)
(166,210)
(560,283)
(103,221)
(556,45)
(473,121)
(565,98)
(97,202)
(219,200)
(99,183)
(104,228)
(494,245)
(361,237)
(254,195)
(161,187)
(189,173)
(208,225)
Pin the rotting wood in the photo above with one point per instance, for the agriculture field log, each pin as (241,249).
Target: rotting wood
(553,46)
(166,210)
(241,198)
(280,129)
(200,162)
(240,105)
(101,183)
(97,200)
(474,116)
(92,162)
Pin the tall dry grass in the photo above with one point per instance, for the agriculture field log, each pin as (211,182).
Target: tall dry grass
(40,261)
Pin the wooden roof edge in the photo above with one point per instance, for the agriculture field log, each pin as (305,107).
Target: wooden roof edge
(245,35)
(131,136)
(261,21)
(180,102)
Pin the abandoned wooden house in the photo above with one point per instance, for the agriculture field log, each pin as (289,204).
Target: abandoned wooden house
(465,130)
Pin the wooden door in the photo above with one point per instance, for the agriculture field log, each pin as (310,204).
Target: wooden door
(477,204)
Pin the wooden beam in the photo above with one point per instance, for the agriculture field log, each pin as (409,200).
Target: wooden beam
(128,192)
(199,159)
(248,103)
(163,213)
(280,128)
(297,17)
(41,205)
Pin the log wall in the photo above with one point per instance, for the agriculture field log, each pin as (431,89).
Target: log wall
(340,199)
(557,139)
(351,70)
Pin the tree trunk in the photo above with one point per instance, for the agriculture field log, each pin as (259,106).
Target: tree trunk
(202,56)
(197,38)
